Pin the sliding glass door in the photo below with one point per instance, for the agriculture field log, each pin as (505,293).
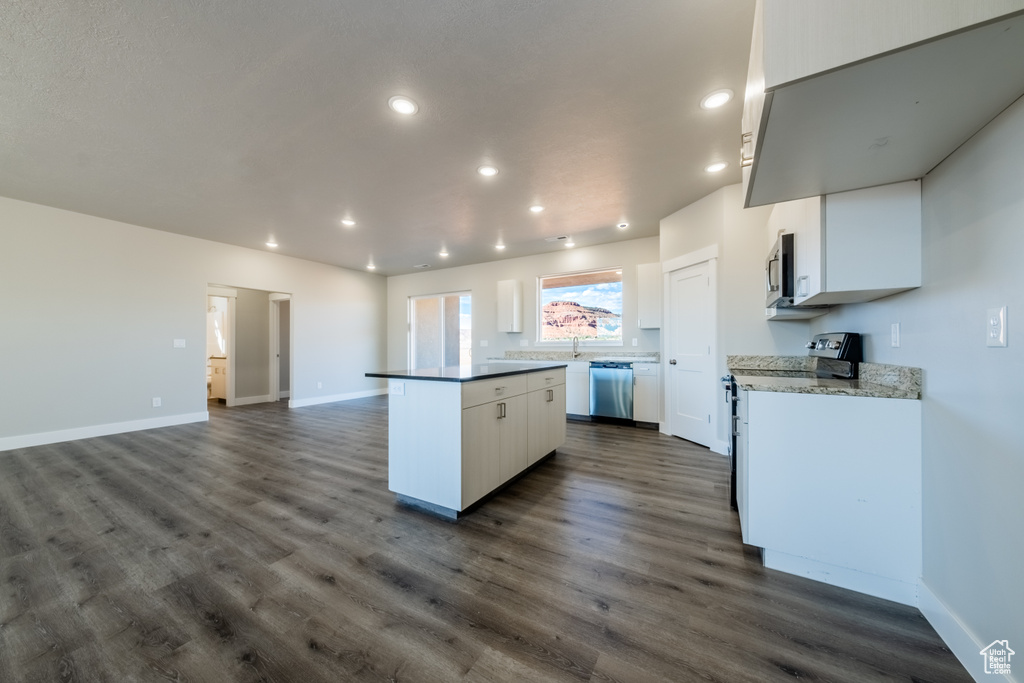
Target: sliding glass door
(440,330)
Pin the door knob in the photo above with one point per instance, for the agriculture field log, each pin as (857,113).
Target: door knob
(672,362)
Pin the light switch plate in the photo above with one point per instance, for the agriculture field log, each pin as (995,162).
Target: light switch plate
(179,343)
(895,331)
(996,328)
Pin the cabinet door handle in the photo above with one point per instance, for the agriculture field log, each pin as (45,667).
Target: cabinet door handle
(551,395)
(501,410)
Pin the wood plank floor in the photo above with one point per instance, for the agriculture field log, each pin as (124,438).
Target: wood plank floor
(265,546)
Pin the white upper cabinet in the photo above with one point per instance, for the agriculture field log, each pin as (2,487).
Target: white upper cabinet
(854,246)
(648,294)
(842,96)
(510,306)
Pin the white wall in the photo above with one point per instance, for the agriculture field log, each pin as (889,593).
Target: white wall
(481,280)
(973,410)
(252,344)
(93,307)
(742,239)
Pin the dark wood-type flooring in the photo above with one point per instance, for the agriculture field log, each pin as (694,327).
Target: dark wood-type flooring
(265,546)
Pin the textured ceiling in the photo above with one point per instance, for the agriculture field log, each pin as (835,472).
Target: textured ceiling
(241,121)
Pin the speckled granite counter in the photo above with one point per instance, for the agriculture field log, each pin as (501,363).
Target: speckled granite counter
(565,356)
(795,374)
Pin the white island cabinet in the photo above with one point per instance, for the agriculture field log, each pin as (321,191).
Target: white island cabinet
(457,434)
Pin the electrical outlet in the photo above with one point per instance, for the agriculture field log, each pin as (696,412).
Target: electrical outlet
(634,341)
(157,402)
(319,385)
(179,343)
(895,332)
(996,327)
(397,389)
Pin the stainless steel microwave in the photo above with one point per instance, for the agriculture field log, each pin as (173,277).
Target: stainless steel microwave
(778,273)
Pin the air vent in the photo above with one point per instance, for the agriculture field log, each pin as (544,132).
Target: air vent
(559,238)
(422,266)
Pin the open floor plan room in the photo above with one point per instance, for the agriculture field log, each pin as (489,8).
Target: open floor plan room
(264,545)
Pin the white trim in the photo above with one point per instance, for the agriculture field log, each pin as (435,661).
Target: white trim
(284,394)
(9,443)
(720,447)
(317,400)
(958,638)
(249,400)
(217,290)
(862,582)
(691,259)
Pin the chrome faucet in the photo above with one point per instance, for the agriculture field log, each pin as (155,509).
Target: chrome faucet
(575,348)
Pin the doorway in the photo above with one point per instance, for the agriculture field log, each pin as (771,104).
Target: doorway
(440,330)
(280,346)
(691,340)
(248,345)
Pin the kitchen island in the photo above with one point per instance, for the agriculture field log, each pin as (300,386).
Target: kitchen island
(458,434)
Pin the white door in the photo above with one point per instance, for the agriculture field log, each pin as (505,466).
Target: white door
(692,387)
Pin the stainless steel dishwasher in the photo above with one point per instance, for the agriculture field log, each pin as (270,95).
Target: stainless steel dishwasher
(611,389)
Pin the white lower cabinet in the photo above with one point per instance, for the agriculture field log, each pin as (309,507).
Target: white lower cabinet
(742,467)
(646,392)
(546,412)
(830,488)
(577,388)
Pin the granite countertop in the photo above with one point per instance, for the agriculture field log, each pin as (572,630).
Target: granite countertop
(465,373)
(795,374)
(586,356)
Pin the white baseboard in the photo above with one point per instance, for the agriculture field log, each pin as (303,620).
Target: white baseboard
(284,394)
(870,584)
(317,400)
(958,638)
(250,400)
(9,443)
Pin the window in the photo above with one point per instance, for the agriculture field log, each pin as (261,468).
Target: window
(583,305)
(440,331)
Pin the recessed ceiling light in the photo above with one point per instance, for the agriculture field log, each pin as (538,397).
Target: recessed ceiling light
(272,244)
(536,208)
(370,266)
(499,247)
(403,105)
(570,243)
(443,253)
(347,222)
(716,99)
(716,167)
(622,226)
(487,171)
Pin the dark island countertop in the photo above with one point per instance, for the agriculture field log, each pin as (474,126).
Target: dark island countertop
(467,373)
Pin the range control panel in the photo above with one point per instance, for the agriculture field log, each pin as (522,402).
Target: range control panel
(835,345)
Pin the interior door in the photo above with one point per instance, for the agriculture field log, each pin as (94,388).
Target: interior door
(693,391)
